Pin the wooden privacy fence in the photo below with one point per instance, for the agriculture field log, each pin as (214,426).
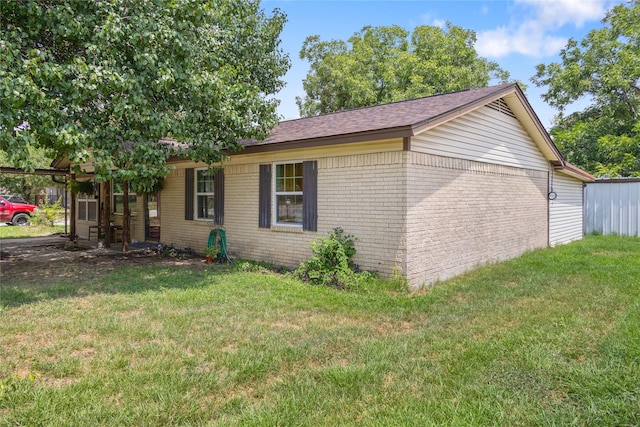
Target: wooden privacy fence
(612,206)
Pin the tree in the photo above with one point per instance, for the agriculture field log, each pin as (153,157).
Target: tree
(383,64)
(107,80)
(604,67)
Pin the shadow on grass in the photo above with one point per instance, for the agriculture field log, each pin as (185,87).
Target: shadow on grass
(124,279)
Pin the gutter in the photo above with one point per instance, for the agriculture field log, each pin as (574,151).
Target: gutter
(573,171)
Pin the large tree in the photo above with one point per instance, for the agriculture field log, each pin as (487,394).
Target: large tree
(106,80)
(603,68)
(385,64)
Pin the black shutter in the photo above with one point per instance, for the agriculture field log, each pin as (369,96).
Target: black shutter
(264,197)
(188,194)
(310,196)
(218,183)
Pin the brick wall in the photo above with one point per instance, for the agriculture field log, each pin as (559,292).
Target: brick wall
(425,216)
(462,213)
(363,194)
(174,229)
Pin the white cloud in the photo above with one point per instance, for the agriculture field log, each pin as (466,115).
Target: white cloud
(528,39)
(534,22)
(556,13)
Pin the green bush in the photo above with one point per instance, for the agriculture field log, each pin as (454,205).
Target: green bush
(47,213)
(331,264)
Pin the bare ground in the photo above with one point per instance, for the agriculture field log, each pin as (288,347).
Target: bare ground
(49,259)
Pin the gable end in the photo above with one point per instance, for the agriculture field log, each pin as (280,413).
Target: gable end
(502,107)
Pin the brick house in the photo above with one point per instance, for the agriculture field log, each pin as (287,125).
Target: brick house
(431,187)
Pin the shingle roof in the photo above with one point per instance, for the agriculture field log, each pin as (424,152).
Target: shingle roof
(402,115)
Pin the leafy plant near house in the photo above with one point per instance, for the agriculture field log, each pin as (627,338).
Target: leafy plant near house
(47,213)
(331,264)
(211,252)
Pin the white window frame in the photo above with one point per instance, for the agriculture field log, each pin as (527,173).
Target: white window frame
(114,194)
(196,193)
(86,199)
(277,193)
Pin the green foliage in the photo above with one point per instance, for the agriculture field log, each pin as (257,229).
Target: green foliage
(108,80)
(211,251)
(331,264)
(383,64)
(81,187)
(604,67)
(27,186)
(48,213)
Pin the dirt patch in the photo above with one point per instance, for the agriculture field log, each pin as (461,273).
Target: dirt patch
(51,259)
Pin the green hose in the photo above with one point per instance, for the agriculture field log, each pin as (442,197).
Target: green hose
(218,238)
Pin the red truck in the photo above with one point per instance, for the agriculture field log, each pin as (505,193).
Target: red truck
(15,211)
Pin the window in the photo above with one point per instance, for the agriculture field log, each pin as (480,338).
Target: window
(293,191)
(118,199)
(87,207)
(205,194)
(288,201)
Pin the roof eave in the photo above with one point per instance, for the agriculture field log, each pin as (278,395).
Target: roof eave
(60,162)
(374,135)
(574,172)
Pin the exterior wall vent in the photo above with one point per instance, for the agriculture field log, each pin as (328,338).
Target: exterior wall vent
(502,107)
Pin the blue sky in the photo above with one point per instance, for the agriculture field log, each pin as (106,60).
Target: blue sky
(517,34)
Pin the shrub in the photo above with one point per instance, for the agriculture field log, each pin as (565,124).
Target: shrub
(47,213)
(331,264)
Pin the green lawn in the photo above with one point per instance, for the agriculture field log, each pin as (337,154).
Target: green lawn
(552,338)
(15,232)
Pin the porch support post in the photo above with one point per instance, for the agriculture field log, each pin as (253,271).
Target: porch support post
(105,195)
(74,197)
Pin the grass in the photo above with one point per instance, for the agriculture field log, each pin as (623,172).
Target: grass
(15,232)
(551,338)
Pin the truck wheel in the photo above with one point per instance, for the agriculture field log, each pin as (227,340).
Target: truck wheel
(20,219)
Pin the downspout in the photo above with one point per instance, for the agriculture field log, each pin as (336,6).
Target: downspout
(549,193)
(551,196)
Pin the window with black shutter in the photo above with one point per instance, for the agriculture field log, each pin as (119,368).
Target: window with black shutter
(310,196)
(204,195)
(264,197)
(188,194)
(294,195)
(218,216)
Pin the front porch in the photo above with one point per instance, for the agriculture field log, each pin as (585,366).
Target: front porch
(103,203)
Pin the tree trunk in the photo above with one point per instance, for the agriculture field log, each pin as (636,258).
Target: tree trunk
(126,217)
(105,195)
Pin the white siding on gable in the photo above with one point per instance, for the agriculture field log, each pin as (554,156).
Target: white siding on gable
(484,135)
(565,211)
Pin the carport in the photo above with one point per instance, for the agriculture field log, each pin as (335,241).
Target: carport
(69,219)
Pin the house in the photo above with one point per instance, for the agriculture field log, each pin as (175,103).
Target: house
(430,187)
